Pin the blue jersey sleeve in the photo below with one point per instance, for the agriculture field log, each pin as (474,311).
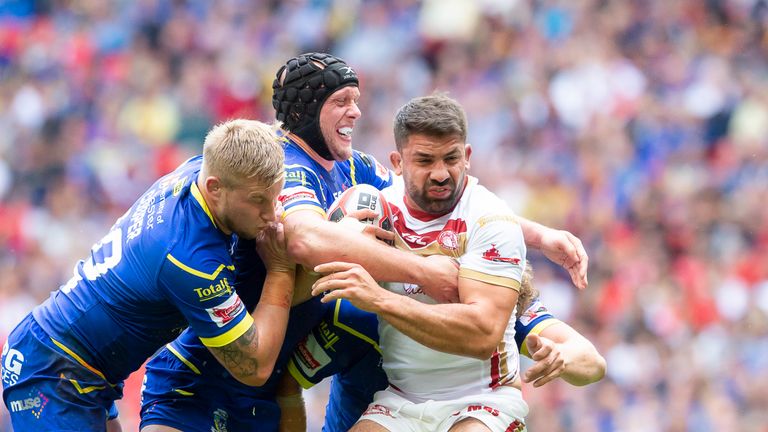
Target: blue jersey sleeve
(533,321)
(303,190)
(201,289)
(345,335)
(364,168)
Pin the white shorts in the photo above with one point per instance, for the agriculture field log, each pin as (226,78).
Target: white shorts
(501,410)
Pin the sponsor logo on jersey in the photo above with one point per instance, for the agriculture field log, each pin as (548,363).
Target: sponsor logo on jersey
(306,357)
(297,196)
(220,419)
(492,254)
(448,240)
(453,229)
(328,336)
(532,313)
(296,193)
(376,409)
(515,426)
(310,356)
(491,410)
(213,291)
(140,210)
(179,186)
(227,311)
(11,367)
(296,176)
(35,403)
(496,218)
(412,289)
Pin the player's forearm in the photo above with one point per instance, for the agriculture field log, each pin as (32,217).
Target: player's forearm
(271,318)
(585,365)
(293,416)
(460,329)
(533,232)
(317,242)
(302,290)
(251,357)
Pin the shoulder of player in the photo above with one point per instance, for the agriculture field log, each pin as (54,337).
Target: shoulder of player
(483,206)
(358,156)
(198,251)
(206,266)
(165,211)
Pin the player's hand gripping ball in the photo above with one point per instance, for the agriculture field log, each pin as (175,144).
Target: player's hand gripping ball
(362,197)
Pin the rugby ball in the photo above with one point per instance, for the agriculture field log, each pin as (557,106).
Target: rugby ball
(358,197)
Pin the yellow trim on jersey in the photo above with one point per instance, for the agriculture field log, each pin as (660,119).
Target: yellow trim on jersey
(198,273)
(538,328)
(491,279)
(294,371)
(350,330)
(227,338)
(183,392)
(504,375)
(183,360)
(78,358)
(314,208)
(82,390)
(352,170)
(199,197)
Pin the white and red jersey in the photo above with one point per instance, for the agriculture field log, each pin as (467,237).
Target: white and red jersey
(485,237)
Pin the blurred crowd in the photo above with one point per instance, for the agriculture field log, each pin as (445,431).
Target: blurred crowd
(639,125)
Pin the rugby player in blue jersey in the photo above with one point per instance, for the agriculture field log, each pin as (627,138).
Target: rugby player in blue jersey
(316,99)
(165,264)
(315,96)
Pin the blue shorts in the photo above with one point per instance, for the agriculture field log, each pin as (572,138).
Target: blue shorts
(352,390)
(173,395)
(176,396)
(45,388)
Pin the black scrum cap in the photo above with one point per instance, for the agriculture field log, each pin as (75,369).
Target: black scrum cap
(301,87)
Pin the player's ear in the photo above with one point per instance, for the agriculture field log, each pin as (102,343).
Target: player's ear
(396,159)
(213,186)
(467,154)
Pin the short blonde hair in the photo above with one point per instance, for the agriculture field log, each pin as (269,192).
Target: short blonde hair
(240,149)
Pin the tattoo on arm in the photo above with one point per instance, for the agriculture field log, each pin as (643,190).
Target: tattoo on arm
(235,356)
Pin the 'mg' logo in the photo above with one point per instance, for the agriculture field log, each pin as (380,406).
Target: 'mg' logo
(11,365)
(214,291)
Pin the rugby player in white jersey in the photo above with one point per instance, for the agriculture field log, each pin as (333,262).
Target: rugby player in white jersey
(451,367)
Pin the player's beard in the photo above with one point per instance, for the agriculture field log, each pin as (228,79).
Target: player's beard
(437,206)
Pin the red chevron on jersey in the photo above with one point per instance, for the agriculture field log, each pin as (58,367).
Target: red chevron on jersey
(448,235)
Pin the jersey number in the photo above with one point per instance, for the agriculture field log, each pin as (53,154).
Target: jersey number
(105,254)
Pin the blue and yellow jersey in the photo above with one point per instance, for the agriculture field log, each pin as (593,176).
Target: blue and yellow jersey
(533,320)
(307,186)
(310,186)
(162,266)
